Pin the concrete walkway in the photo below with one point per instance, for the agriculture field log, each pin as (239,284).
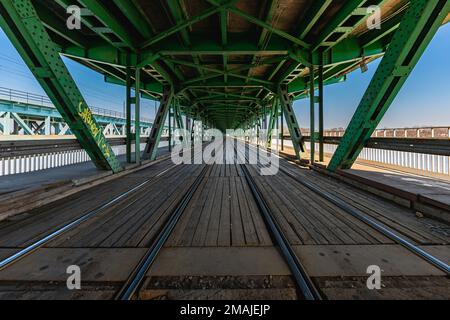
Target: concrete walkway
(16,182)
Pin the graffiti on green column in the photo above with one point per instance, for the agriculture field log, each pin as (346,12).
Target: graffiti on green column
(88,118)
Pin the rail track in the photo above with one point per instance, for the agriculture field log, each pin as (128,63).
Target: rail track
(371,222)
(78,221)
(133,283)
(304,283)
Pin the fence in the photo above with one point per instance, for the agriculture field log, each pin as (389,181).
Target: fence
(423,155)
(34,155)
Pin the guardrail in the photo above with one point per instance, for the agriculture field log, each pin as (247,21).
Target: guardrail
(423,155)
(43,101)
(407,132)
(21,156)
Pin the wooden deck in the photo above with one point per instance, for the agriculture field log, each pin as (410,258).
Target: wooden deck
(221,239)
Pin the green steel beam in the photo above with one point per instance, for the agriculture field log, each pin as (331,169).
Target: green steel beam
(219,72)
(187,23)
(291,120)
(261,23)
(26,31)
(238,44)
(343,14)
(59,27)
(129,138)
(137,116)
(272,121)
(151,148)
(312,114)
(417,28)
(136,17)
(95,28)
(321,104)
(347,50)
(102,13)
(313,14)
(232,83)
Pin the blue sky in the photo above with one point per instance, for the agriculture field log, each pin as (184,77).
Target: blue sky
(423,101)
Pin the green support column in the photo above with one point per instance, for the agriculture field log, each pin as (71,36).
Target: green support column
(272,121)
(151,148)
(321,102)
(178,116)
(282,129)
(312,115)
(129,137)
(21,23)
(179,119)
(417,28)
(170,128)
(291,120)
(137,116)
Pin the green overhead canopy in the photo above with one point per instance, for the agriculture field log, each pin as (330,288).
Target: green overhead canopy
(224,60)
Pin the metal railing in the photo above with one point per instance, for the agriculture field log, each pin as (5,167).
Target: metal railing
(422,155)
(407,132)
(43,101)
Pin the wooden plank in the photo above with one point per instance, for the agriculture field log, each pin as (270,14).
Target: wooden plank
(214,217)
(186,238)
(320,214)
(237,230)
(224,238)
(295,232)
(114,221)
(194,206)
(202,227)
(258,220)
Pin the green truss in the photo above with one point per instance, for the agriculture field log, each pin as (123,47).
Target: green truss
(208,91)
(415,32)
(21,23)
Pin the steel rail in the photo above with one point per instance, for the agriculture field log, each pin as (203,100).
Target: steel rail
(133,283)
(370,222)
(303,281)
(46,239)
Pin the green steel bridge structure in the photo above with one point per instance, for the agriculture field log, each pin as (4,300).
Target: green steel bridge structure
(227,63)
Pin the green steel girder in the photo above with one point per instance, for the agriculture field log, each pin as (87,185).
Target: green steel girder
(260,23)
(135,17)
(299,85)
(106,17)
(26,31)
(232,83)
(151,149)
(312,106)
(347,50)
(219,72)
(291,120)
(178,115)
(59,27)
(96,29)
(313,14)
(344,13)
(153,86)
(186,23)
(416,30)
(272,121)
